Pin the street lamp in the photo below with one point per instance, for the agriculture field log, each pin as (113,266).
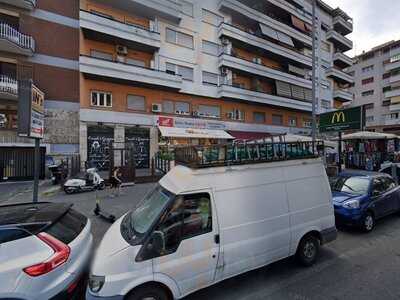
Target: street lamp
(314,84)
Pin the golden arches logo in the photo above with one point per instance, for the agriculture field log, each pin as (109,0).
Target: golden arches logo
(338,117)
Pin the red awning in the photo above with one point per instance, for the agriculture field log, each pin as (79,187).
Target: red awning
(246,135)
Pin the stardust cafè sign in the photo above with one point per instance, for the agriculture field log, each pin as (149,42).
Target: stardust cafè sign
(189,123)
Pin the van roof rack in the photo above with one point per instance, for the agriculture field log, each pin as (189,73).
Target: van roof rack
(245,153)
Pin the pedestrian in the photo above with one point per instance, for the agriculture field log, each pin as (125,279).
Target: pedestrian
(116,181)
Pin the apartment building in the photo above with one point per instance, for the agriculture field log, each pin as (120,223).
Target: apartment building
(233,65)
(376,86)
(39,40)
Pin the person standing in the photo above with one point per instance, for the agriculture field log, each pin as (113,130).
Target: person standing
(116,181)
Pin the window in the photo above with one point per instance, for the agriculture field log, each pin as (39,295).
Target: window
(277,119)
(307,123)
(386,75)
(210,78)
(369,118)
(292,121)
(210,48)
(367,80)
(168,107)
(367,68)
(189,216)
(259,117)
(135,102)
(388,183)
(135,62)
(394,116)
(187,8)
(367,93)
(212,18)
(386,89)
(182,108)
(101,55)
(369,106)
(101,99)
(386,103)
(179,38)
(378,186)
(209,111)
(395,58)
(11,234)
(236,114)
(185,72)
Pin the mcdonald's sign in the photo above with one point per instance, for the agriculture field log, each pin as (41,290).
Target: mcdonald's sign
(340,120)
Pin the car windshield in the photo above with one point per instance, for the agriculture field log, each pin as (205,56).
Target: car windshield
(138,222)
(352,185)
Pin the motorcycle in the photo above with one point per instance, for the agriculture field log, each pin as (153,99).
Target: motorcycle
(91,182)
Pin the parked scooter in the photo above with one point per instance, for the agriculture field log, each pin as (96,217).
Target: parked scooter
(91,182)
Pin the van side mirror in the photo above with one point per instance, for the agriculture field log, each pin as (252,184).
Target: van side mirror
(157,243)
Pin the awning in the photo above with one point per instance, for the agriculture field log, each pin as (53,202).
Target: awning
(298,23)
(246,135)
(368,135)
(194,133)
(276,35)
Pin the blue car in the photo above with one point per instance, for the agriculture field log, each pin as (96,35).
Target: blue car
(360,198)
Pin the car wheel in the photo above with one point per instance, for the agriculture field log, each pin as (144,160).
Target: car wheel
(368,222)
(68,191)
(149,292)
(102,186)
(307,252)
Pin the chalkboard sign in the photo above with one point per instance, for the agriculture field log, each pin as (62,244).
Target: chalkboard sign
(139,139)
(99,141)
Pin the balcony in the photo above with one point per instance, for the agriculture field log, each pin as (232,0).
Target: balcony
(237,63)
(342,60)
(389,121)
(13,41)
(395,78)
(231,92)
(395,92)
(121,71)
(140,35)
(238,34)
(240,8)
(8,88)
(167,9)
(394,107)
(392,66)
(341,42)
(342,95)
(293,10)
(339,75)
(24,4)
(342,25)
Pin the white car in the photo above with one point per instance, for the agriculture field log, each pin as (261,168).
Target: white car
(44,251)
(200,226)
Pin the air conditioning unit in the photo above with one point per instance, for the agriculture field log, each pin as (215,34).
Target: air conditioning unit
(122,50)
(156,107)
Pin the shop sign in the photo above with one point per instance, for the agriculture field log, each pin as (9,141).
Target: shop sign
(165,121)
(190,123)
(30,110)
(340,120)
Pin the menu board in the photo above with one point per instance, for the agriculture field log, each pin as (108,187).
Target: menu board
(139,139)
(99,141)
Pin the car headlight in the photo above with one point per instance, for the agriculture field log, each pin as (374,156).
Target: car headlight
(352,204)
(96,283)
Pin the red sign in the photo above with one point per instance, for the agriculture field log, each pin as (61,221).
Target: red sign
(165,122)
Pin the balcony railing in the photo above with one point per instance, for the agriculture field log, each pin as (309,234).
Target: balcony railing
(8,85)
(13,35)
(25,4)
(339,75)
(339,40)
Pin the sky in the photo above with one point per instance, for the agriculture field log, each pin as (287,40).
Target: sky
(375,21)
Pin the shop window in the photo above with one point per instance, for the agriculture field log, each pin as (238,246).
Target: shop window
(212,18)
(210,78)
(136,102)
(187,8)
(259,117)
(101,99)
(101,55)
(210,48)
(292,121)
(179,38)
(209,111)
(277,119)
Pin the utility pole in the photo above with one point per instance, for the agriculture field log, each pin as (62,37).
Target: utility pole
(314,83)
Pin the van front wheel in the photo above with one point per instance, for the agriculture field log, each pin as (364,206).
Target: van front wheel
(307,252)
(149,292)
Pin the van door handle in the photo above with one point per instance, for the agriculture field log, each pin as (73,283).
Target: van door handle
(216,238)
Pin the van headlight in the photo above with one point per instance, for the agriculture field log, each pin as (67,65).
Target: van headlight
(352,204)
(96,283)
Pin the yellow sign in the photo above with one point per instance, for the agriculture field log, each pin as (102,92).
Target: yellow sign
(338,117)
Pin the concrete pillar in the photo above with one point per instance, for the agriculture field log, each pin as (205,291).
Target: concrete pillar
(153,141)
(119,143)
(83,143)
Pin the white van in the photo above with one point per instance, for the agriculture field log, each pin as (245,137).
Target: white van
(201,226)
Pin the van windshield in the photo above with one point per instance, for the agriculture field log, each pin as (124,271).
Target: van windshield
(137,222)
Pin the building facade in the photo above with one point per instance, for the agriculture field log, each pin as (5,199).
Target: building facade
(39,40)
(239,66)
(376,86)
(113,71)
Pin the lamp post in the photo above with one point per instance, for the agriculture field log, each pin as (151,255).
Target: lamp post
(314,83)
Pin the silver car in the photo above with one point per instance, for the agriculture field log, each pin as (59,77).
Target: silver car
(44,251)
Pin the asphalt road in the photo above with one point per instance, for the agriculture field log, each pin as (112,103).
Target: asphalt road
(355,266)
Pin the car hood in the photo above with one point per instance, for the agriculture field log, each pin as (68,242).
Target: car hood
(340,197)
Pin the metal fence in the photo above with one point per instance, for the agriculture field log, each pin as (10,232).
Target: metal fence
(13,35)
